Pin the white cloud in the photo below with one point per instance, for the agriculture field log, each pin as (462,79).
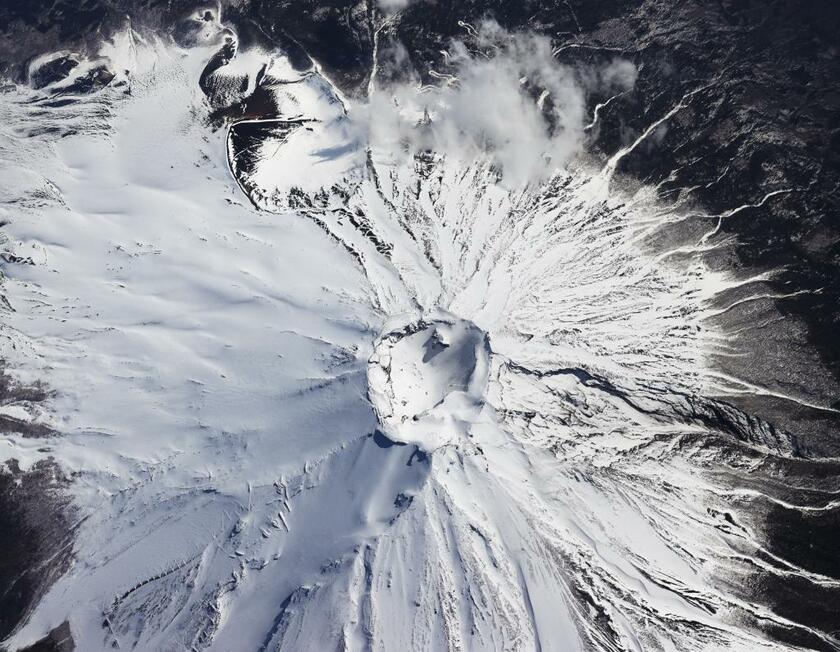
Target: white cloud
(619,75)
(508,98)
(393,5)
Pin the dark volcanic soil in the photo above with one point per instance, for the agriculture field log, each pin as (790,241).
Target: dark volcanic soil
(35,533)
(35,538)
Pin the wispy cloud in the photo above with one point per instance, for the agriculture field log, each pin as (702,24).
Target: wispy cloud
(392,5)
(506,96)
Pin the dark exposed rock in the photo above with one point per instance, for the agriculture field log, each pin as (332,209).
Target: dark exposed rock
(12,391)
(35,537)
(52,71)
(58,640)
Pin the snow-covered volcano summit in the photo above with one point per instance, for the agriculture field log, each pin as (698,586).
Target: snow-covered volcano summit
(394,372)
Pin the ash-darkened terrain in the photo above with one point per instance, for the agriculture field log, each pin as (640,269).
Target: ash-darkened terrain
(413,324)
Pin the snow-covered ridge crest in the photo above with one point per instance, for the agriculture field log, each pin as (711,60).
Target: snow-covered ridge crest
(213,364)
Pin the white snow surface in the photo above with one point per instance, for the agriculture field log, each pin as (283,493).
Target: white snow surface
(220,366)
(427,381)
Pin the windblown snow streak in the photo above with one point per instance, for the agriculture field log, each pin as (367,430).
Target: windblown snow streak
(385,401)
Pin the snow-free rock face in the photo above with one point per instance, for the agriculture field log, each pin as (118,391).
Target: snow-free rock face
(427,380)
